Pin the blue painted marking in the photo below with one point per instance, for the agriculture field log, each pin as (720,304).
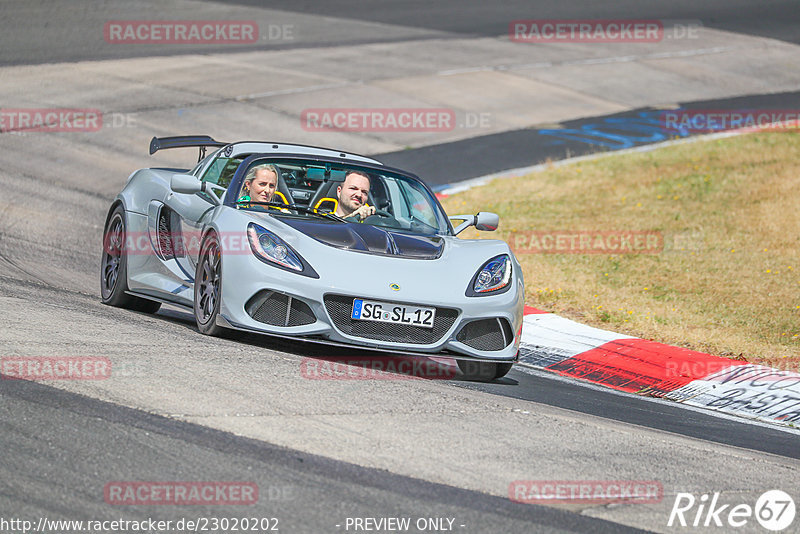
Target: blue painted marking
(616,133)
(357,304)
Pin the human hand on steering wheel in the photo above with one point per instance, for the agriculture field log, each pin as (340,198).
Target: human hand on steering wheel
(363,212)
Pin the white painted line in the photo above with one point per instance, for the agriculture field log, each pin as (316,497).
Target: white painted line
(589,61)
(293,91)
(467,70)
(689,53)
(654,55)
(602,60)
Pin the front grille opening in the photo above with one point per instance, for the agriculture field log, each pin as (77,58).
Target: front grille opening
(278,309)
(340,308)
(486,334)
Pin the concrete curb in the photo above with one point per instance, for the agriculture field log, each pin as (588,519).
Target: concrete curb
(633,365)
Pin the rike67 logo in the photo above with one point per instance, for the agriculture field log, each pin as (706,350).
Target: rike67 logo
(774,510)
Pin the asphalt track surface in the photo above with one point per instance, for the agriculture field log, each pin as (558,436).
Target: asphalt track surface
(60,448)
(52,31)
(650,413)
(494,153)
(65,448)
(774,19)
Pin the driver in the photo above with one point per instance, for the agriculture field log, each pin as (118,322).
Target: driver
(352,196)
(260,184)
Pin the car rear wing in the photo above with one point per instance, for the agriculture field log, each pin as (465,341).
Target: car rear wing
(181,141)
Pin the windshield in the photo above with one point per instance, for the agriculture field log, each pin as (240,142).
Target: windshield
(350,193)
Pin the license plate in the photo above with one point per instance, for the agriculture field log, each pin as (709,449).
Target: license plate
(386,312)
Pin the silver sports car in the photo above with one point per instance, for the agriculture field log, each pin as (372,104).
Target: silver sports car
(397,280)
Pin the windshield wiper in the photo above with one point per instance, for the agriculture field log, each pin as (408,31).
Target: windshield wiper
(304,209)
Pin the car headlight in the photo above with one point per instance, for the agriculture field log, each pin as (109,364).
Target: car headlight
(493,277)
(271,248)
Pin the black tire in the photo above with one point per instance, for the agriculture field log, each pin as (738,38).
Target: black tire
(114,268)
(208,287)
(483,371)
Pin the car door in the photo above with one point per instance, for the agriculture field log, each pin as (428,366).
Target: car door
(177,222)
(193,211)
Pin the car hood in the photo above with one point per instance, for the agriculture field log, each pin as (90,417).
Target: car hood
(369,239)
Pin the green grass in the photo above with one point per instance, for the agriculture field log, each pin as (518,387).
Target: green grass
(728,278)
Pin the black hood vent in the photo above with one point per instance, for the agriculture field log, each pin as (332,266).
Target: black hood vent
(369,239)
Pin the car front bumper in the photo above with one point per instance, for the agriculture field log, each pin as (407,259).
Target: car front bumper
(464,326)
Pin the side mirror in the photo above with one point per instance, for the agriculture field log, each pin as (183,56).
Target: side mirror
(186,184)
(484,221)
(487,221)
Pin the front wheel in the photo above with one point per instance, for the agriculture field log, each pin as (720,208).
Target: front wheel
(114,268)
(208,286)
(483,371)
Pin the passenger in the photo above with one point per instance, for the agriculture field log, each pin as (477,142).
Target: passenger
(353,195)
(260,184)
